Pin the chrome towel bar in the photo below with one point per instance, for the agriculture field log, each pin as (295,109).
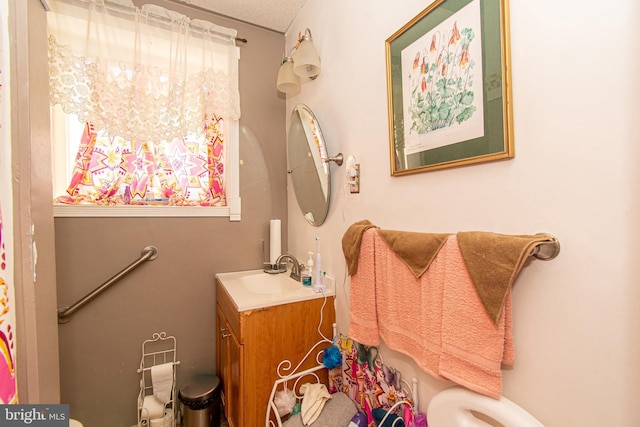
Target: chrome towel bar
(547,250)
(64,313)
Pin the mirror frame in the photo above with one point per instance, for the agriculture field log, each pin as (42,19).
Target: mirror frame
(309,165)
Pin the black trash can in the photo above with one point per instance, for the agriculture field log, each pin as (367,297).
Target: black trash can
(200,401)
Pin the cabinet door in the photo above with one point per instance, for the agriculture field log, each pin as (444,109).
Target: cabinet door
(228,366)
(222,358)
(234,380)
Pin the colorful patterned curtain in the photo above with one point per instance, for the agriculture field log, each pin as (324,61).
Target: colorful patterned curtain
(110,170)
(8,385)
(370,387)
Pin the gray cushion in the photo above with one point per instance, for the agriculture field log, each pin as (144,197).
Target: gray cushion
(337,412)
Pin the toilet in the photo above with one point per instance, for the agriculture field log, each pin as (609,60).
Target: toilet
(453,408)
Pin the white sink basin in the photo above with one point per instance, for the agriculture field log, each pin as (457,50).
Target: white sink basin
(256,289)
(265,284)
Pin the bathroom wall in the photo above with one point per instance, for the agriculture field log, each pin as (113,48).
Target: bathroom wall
(100,348)
(35,337)
(574,175)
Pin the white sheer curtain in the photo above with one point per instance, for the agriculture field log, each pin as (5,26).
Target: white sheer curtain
(140,73)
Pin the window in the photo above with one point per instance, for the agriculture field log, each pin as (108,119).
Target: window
(145,110)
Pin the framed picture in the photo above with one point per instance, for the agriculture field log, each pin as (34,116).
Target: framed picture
(449,87)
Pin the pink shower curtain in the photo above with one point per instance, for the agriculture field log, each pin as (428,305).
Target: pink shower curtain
(8,381)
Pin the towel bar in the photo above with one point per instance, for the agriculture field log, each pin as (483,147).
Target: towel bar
(547,250)
(148,369)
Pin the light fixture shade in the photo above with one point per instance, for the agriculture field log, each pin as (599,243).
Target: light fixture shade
(288,81)
(306,62)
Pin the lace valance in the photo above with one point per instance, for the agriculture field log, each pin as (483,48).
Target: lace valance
(141,73)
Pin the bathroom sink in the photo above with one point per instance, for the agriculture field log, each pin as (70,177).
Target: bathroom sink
(254,289)
(265,284)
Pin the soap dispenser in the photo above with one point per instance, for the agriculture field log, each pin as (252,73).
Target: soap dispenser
(308,274)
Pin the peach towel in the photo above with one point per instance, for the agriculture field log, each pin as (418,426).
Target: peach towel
(492,260)
(363,311)
(437,319)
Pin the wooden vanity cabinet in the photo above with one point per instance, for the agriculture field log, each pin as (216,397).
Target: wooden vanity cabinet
(251,344)
(229,355)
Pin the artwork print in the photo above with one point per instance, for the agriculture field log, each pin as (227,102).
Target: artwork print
(442,83)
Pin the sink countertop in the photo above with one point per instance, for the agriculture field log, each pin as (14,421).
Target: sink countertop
(254,289)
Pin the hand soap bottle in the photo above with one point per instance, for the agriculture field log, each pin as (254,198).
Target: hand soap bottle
(308,274)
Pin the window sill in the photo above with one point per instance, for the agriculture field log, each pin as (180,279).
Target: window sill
(76,211)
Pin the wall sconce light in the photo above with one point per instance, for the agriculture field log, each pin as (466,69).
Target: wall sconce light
(288,81)
(305,63)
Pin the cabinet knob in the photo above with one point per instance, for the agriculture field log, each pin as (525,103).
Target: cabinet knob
(224,332)
(224,335)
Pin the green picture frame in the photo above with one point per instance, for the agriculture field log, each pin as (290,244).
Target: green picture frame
(449,87)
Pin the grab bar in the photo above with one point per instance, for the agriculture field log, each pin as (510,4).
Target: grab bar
(64,313)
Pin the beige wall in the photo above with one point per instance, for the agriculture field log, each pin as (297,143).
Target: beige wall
(100,347)
(575,86)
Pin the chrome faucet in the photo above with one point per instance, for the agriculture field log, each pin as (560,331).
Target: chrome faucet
(296,269)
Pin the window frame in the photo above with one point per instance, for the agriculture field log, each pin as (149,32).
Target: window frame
(60,153)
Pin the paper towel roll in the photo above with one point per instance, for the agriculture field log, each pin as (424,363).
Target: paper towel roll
(275,241)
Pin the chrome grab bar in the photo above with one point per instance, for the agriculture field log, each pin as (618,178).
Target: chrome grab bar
(64,313)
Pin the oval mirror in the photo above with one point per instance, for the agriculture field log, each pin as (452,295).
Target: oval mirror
(308,165)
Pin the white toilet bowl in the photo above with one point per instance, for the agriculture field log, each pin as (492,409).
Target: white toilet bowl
(74,423)
(452,408)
